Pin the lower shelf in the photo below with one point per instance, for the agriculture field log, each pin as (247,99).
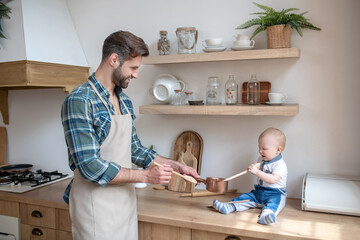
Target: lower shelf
(240,109)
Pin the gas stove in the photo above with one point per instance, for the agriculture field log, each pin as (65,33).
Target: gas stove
(29,180)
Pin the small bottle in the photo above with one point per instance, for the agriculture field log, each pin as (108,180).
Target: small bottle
(253,91)
(231,91)
(212,91)
(163,43)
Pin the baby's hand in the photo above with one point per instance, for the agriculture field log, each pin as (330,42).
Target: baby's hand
(253,169)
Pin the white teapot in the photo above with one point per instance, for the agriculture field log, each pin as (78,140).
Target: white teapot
(164,87)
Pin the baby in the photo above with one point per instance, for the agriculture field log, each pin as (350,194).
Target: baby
(269,193)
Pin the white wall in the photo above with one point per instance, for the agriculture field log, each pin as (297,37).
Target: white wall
(322,138)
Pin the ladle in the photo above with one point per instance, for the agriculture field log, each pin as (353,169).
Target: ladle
(186,177)
(239,174)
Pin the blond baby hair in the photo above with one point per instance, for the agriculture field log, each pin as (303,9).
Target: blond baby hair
(279,135)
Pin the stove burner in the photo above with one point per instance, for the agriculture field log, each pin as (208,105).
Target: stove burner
(36,178)
(5,180)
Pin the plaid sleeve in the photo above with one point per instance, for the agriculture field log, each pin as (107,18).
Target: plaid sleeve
(140,155)
(83,146)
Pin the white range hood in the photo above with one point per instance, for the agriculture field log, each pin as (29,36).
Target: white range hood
(42,49)
(43,31)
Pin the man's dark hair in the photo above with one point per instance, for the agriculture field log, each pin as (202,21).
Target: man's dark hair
(125,44)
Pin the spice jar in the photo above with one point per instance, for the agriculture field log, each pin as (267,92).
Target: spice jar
(212,91)
(253,91)
(231,91)
(163,43)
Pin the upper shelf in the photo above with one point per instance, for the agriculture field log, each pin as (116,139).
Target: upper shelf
(223,56)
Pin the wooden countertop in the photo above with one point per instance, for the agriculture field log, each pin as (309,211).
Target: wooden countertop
(166,207)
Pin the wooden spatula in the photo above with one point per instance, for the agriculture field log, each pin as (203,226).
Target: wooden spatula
(186,177)
(239,174)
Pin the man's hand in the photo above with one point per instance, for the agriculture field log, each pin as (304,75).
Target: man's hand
(159,174)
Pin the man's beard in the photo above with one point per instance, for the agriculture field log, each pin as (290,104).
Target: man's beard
(119,79)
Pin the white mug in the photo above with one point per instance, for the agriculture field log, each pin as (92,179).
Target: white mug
(244,43)
(212,42)
(240,37)
(277,97)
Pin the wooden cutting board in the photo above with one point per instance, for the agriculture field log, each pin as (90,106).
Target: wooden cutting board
(265,88)
(2,145)
(187,150)
(196,147)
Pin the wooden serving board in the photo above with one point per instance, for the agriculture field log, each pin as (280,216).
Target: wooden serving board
(265,88)
(2,145)
(187,150)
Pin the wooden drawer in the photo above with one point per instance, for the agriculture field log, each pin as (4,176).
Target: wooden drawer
(37,215)
(150,231)
(29,232)
(9,209)
(204,235)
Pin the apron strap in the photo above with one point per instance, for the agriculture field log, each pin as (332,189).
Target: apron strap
(103,101)
(97,93)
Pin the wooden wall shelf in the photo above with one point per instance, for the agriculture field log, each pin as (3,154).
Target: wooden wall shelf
(240,109)
(256,54)
(27,74)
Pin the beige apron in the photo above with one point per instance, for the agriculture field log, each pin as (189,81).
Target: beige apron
(110,212)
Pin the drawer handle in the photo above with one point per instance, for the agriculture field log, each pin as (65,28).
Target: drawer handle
(36,214)
(37,232)
(231,237)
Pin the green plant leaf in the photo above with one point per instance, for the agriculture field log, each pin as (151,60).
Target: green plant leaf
(271,17)
(250,23)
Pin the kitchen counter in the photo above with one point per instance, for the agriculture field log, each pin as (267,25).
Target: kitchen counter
(168,208)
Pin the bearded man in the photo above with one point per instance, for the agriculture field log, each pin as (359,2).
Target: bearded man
(98,121)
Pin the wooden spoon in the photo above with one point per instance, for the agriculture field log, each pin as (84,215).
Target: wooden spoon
(185,177)
(239,174)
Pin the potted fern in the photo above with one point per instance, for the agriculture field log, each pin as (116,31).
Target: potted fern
(4,12)
(278,25)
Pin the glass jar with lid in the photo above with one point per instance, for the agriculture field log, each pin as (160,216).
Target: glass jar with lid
(163,44)
(213,91)
(179,98)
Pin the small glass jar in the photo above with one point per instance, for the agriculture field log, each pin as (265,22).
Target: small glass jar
(179,98)
(163,44)
(213,91)
(253,91)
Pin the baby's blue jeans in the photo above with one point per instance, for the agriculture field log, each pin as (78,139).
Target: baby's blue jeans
(262,197)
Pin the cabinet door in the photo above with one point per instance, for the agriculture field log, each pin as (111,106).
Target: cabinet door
(62,235)
(63,221)
(10,209)
(150,231)
(29,232)
(204,235)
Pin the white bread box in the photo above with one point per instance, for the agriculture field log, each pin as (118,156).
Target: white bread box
(332,194)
